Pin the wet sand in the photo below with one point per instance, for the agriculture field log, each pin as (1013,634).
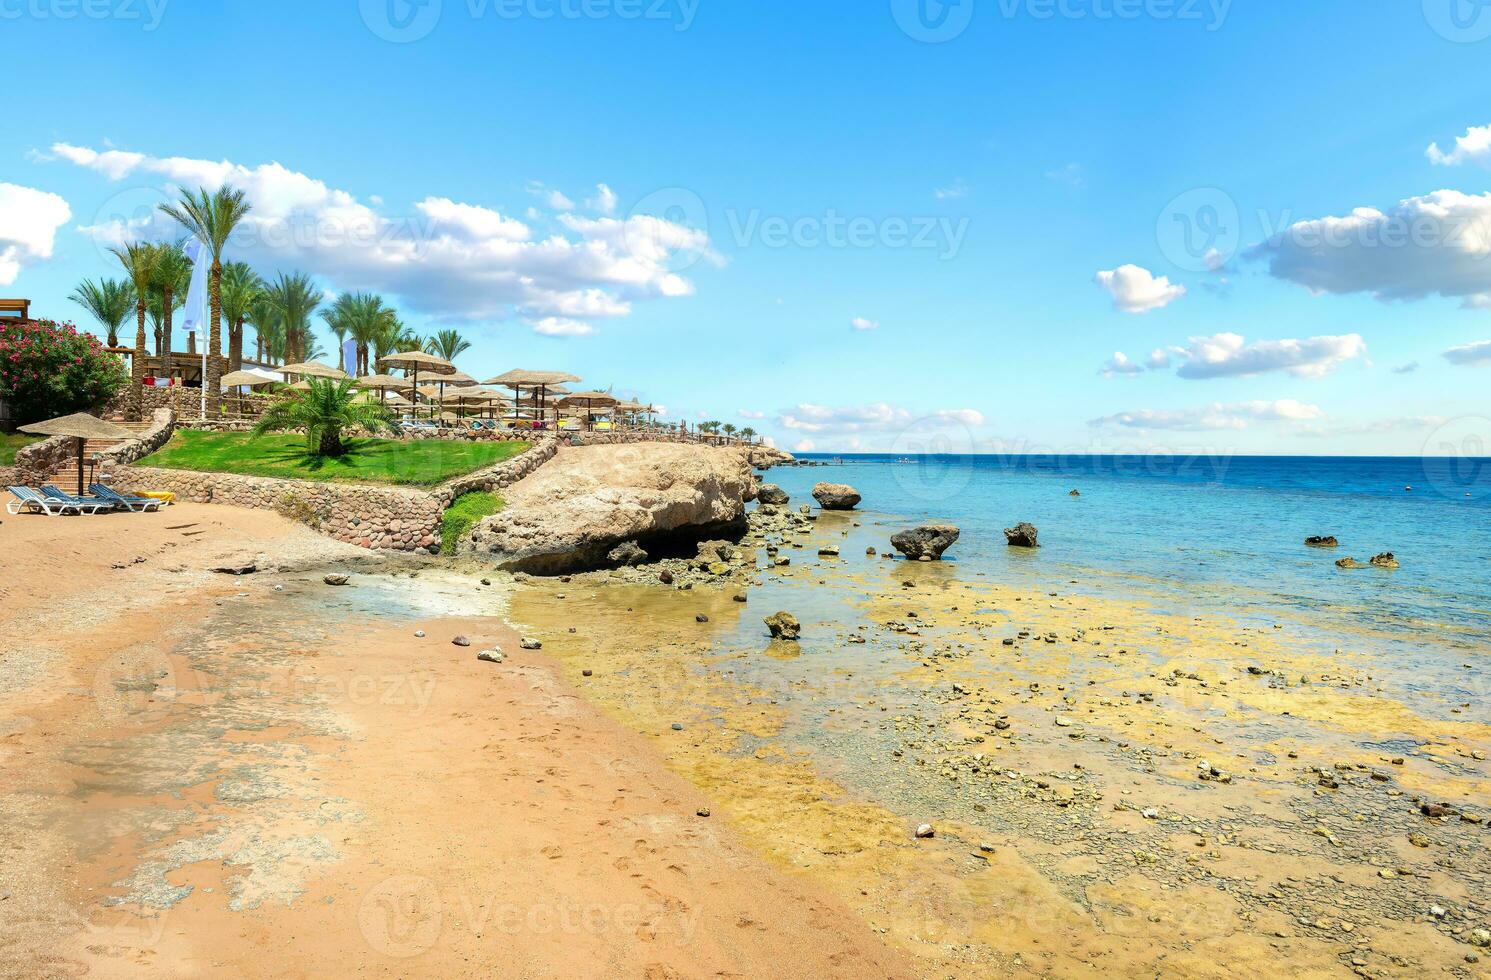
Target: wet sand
(1122,790)
(207,775)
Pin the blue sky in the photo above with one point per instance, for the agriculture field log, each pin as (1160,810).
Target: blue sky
(848,225)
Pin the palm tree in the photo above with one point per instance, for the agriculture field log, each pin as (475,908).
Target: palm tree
(173,273)
(269,329)
(212,218)
(448,344)
(339,322)
(138,259)
(324,411)
(748,434)
(295,298)
(729,429)
(370,321)
(109,301)
(241,289)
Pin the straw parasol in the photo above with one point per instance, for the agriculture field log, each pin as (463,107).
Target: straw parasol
(383,384)
(244,379)
(481,396)
(539,381)
(314,369)
(81,427)
(416,360)
(590,399)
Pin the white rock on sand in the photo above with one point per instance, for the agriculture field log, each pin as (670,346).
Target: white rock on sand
(573,511)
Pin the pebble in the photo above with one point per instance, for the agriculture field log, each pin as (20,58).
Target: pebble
(461,641)
(926,831)
(677,727)
(528,643)
(419,633)
(701,618)
(491,656)
(587,673)
(703,811)
(335,579)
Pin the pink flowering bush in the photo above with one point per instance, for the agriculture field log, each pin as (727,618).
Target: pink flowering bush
(49,369)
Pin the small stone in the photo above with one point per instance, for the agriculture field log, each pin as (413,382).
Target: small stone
(335,579)
(926,831)
(528,643)
(1481,939)
(703,811)
(491,656)
(419,633)
(677,727)
(739,597)
(587,673)
(461,641)
(701,618)
(784,626)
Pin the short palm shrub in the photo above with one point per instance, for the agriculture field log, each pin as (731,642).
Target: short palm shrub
(325,411)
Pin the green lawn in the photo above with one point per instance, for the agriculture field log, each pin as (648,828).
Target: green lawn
(421,463)
(463,515)
(11,444)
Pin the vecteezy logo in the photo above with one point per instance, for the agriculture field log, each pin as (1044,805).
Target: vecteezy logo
(669,227)
(1457,458)
(932,21)
(401,916)
(1200,230)
(1461,21)
(400,21)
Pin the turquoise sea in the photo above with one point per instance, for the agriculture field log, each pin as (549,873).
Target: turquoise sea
(1211,534)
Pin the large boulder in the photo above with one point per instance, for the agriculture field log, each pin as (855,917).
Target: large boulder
(836,496)
(784,626)
(772,495)
(1022,535)
(573,512)
(627,553)
(927,541)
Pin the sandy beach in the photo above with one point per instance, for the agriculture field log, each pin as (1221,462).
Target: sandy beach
(206,774)
(254,775)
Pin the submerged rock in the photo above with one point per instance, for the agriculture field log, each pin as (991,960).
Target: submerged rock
(836,496)
(784,626)
(1022,535)
(1349,563)
(928,541)
(772,495)
(1385,560)
(1327,541)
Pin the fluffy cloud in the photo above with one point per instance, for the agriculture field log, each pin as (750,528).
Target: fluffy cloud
(1119,364)
(1228,355)
(1469,353)
(861,323)
(1213,417)
(877,417)
(1439,244)
(804,446)
(1137,290)
(1473,147)
(448,259)
(29,220)
(604,200)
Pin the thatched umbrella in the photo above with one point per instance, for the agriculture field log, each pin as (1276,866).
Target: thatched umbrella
(481,396)
(414,360)
(314,369)
(82,428)
(539,381)
(383,384)
(589,399)
(244,379)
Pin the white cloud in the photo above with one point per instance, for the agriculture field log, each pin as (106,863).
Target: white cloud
(604,200)
(861,323)
(1070,175)
(448,259)
(1469,353)
(558,326)
(1213,417)
(1119,364)
(1439,244)
(1229,355)
(746,413)
(29,220)
(1137,290)
(955,190)
(804,446)
(551,197)
(877,417)
(1408,423)
(1159,359)
(1473,147)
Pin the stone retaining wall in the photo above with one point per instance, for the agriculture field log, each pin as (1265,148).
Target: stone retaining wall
(498,477)
(36,463)
(383,518)
(163,425)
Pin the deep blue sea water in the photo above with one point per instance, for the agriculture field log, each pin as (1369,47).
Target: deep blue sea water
(1211,533)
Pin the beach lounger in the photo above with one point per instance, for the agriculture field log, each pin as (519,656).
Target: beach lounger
(129,503)
(85,505)
(29,501)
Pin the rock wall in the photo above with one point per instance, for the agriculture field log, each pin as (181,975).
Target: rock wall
(36,463)
(383,518)
(498,477)
(162,427)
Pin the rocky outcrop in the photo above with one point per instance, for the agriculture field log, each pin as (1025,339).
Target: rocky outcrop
(571,514)
(836,496)
(1349,563)
(627,553)
(1022,535)
(928,541)
(772,495)
(765,457)
(1326,541)
(1385,560)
